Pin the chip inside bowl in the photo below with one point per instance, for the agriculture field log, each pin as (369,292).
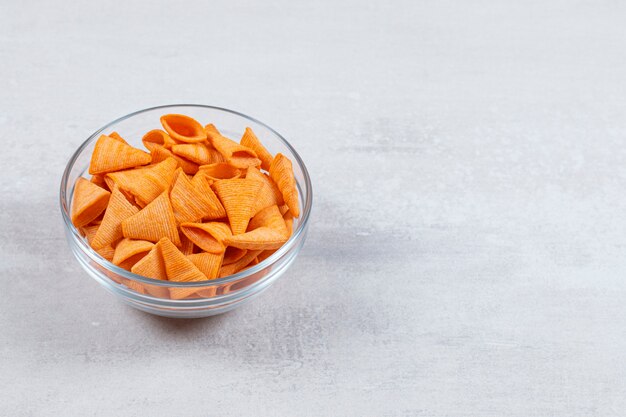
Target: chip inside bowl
(196,206)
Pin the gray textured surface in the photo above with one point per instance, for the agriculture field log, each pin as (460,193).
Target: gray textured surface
(466,253)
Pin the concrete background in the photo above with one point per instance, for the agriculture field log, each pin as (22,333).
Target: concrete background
(466,250)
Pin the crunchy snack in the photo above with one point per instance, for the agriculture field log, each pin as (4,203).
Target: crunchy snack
(196,207)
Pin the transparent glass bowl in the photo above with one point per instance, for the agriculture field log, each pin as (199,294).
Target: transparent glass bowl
(210,297)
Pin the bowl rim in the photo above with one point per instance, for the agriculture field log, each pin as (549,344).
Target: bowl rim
(302,224)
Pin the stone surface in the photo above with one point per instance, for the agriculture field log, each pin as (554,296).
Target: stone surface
(466,250)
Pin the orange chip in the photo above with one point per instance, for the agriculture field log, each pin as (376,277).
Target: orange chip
(186,245)
(158,137)
(267,230)
(237,155)
(89,232)
(192,204)
(107,272)
(128,263)
(110,230)
(195,152)
(281,172)
(109,182)
(242,282)
(128,248)
(97,220)
(107,252)
(98,179)
(207,236)
(160,153)
(151,265)
(232,255)
(220,171)
(117,137)
(262,238)
(179,269)
(289,222)
(157,290)
(208,263)
(210,129)
(235,267)
(199,153)
(207,292)
(254,262)
(135,286)
(148,183)
(88,202)
(269,217)
(265,254)
(201,180)
(250,140)
(131,198)
(216,156)
(269,195)
(283,209)
(238,197)
(153,222)
(183,128)
(112,155)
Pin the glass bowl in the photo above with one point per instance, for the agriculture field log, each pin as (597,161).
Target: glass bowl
(209,297)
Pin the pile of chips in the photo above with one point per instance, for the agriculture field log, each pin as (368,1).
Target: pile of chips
(196,207)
